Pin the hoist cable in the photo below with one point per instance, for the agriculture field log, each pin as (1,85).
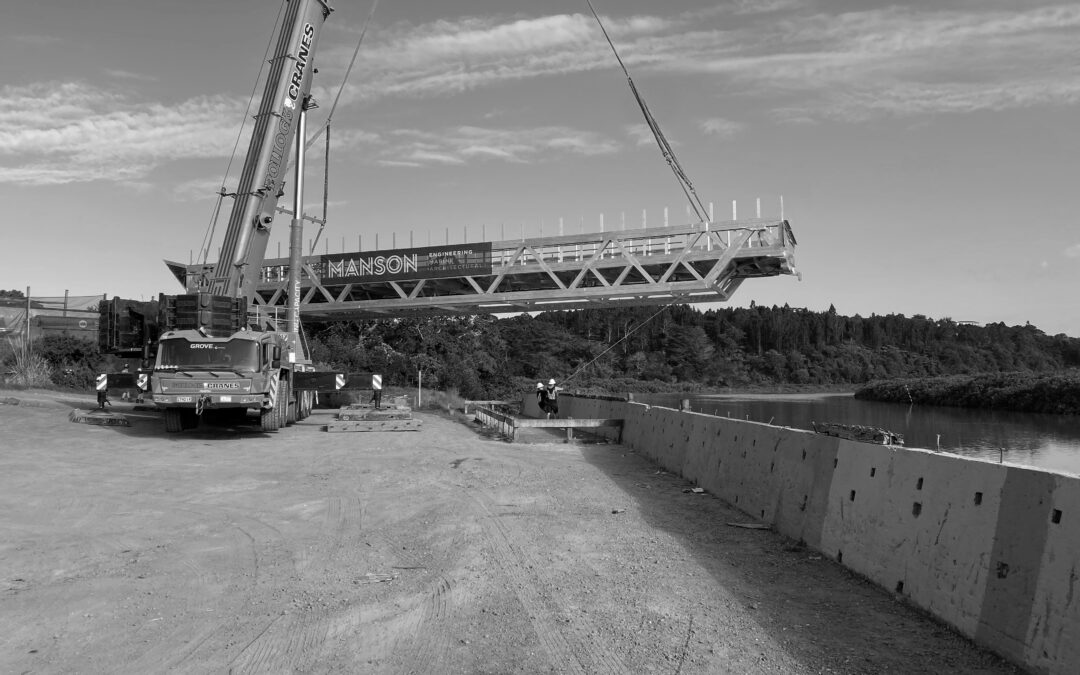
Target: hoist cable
(330,116)
(325,192)
(326,175)
(654,126)
(208,237)
(616,343)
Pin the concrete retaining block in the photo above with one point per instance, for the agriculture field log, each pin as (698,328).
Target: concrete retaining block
(991,549)
(1053,625)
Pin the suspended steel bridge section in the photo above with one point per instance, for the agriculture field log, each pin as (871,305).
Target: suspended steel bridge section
(704,262)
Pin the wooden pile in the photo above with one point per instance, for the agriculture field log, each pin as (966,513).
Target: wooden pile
(393,416)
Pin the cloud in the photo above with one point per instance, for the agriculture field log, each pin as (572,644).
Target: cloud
(765,6)
(720,127)
(896,61)
(801,62)
(196,189)
(471,144)
(55,133)
(792,58)
(128,75)
(640,134)
(449,57)
(1073,251)
(34,40)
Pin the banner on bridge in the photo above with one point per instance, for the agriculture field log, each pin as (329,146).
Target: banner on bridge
(429,262)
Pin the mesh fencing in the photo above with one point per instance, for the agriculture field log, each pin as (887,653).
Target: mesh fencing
(37,316)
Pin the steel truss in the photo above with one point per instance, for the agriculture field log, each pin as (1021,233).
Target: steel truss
(691,263)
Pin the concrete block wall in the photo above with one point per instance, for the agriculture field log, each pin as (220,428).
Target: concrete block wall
(529,406)
(581,407)
(992,549)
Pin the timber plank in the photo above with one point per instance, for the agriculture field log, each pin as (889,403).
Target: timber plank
(374,425)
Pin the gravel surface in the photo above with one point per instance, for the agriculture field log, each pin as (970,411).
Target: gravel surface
(126,549)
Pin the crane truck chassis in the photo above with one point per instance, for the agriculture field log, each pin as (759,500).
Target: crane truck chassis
(205,358)
(208,352)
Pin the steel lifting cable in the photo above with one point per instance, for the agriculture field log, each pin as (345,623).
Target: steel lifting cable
(208,237)
(616,343)
(329,118)
(654,126)
(669,156)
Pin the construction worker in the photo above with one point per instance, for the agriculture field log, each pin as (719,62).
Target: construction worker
(376,390)
(126,394)
(548,398)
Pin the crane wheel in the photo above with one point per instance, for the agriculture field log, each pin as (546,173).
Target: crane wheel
(292,411)
(284,394)
(268,419)
(174,420)
(309,400)
(301,405)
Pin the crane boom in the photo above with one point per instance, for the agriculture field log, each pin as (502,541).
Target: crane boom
(288,85)
(207,352)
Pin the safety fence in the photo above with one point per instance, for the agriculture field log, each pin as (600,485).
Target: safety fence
(32,317)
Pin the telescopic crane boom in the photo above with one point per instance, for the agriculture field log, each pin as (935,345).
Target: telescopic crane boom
(288,86)
(207,353)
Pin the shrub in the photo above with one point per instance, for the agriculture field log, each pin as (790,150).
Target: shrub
(27,368)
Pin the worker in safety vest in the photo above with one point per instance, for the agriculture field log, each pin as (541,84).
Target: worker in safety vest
(126,394)
(548,397)
(376,390)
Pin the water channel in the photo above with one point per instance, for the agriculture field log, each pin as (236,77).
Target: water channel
(1045,441)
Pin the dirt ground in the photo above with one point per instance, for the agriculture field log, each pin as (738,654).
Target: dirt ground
(440,551)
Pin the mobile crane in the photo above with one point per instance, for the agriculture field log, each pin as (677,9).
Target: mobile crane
(208,351)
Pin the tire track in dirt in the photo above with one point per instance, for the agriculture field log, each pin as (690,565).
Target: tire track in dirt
(430,618)
(287,643)
(94,552)
(339,535)
(303,636)
(256,561)
(570,653)
(333,526)
(290,637)
(317,622)
(235,564)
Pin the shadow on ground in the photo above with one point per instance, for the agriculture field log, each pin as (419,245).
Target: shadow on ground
(790,588)
(817,610)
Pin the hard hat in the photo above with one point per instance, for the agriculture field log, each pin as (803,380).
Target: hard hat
(539,385)
(551,381)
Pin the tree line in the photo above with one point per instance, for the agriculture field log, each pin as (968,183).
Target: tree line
(682,348)
(674,348)
(1056,393)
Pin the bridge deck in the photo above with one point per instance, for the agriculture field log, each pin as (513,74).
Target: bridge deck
(690,263)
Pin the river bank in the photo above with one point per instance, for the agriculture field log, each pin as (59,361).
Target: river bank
(1050,442)
(1051,393)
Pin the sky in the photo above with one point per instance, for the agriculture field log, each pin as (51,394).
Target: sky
(927,152)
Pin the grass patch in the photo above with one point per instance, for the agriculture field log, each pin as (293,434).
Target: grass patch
(25,368)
